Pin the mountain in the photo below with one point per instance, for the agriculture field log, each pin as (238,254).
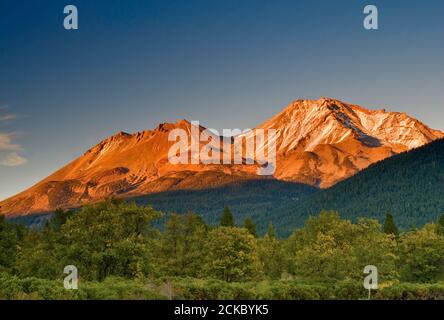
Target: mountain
(318,143)
(409,186)
(321,142)
(124,165)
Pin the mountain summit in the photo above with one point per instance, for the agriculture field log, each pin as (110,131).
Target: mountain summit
(318,142)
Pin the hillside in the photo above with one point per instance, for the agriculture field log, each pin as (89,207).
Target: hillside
(254,198)
(409,185)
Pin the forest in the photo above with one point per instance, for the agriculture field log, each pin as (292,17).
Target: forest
(121,254)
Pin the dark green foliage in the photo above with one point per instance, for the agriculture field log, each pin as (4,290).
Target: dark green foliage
(120,255)
(440,225)
(10,237)
(250,226)
(12,287)
(255,198)
(390,226)
(408,185)
(227,219)
(421,254)
(110,238)
(181,245)
(59,218)
(15,288)
(274,256)
(329,249)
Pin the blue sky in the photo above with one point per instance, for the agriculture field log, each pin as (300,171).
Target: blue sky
(227,63)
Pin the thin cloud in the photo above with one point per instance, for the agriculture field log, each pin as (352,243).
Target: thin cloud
(12,159)
(6,143)
(9,149)
(8,117)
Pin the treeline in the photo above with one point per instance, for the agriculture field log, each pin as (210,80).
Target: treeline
(118,251)
(253,197)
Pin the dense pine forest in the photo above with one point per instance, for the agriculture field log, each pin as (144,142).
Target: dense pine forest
(250,198)
(120,254)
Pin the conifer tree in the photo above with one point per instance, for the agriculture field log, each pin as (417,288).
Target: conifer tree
(389,225)
(227,219)
(440,226)
(250,226)
(271,233)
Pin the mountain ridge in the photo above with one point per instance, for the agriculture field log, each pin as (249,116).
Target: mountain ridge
(319,143)
(325,141)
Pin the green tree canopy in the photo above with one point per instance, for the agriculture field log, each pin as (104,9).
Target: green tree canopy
(109,238)
(232,255)
(331,249)
(182,244)
(10,237)
(422,255)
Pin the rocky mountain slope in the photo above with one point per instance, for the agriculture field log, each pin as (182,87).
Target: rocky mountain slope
(318,142)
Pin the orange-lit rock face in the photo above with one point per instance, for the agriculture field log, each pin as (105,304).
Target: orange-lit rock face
(318,142)
(321,142)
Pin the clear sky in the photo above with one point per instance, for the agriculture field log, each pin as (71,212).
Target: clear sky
(227,63)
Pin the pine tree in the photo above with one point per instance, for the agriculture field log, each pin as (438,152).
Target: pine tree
(389,225)
(250,226)
(440,226)
(271,233)
(181,247)
(272,254)
(227,219)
